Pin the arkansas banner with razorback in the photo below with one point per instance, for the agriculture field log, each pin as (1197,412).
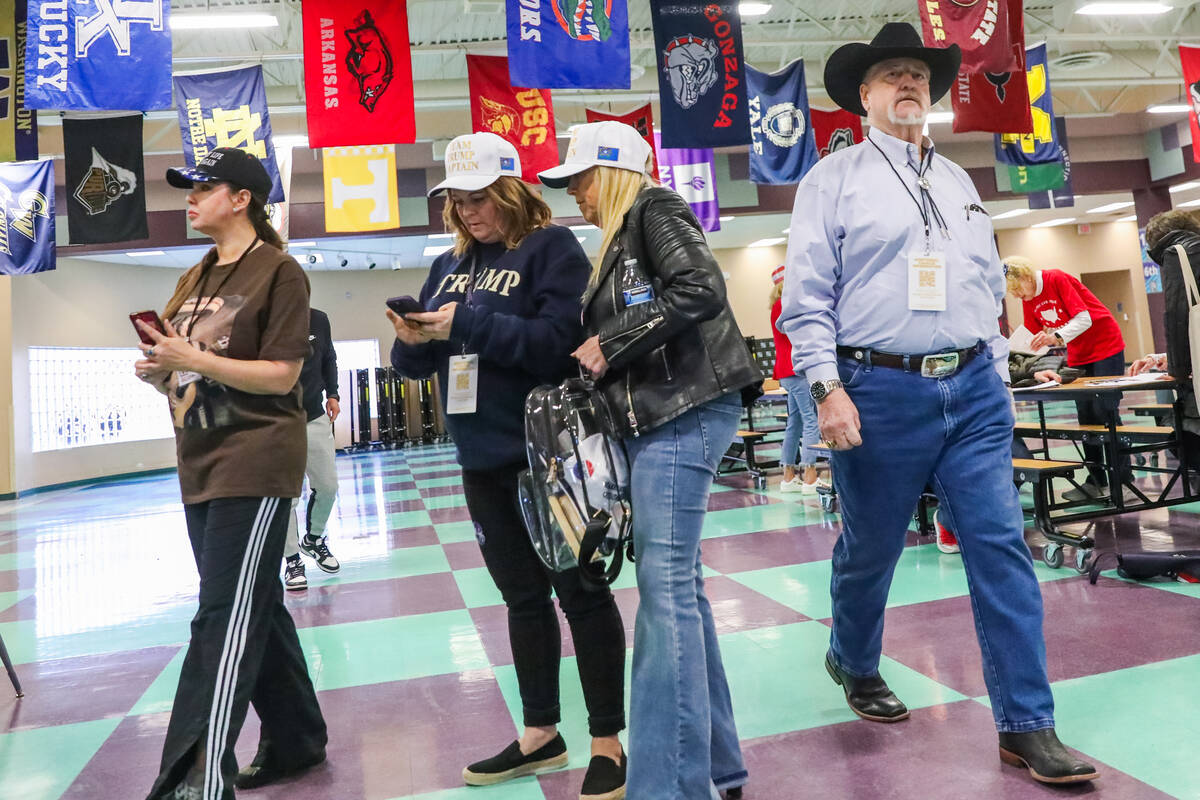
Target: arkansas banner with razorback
(701,74)
(358,73)
(640,119)
(27,217)
(980,27)
(834,130)
(568,44)
(523,116)
(105,185)
(1189,56)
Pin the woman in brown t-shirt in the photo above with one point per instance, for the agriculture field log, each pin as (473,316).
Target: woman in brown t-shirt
(236,333)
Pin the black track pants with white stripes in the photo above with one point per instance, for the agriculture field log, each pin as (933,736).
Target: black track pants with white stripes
(243,649)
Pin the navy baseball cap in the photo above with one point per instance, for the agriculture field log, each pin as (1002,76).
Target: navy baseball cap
(227,164)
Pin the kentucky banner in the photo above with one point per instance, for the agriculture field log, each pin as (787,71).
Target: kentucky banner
(106,192)
(357,73)
(94,54)
(360,188)
(1189,55)
(523,116)
(1041,146)
(996,102)
(227,108)
(640,119)
(980,27)
(782,147)
(568,44)
(834,130)
(26,217)
(691,173)
(1058,193)
(701,75)
(18,122)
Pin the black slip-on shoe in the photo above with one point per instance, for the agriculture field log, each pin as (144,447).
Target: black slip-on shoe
(264,769)
(605,779)
(1046,758)
(870,698)
(732,793)
(512,763)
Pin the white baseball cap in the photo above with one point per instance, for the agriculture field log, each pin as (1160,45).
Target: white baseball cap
(599,144)
(476,161)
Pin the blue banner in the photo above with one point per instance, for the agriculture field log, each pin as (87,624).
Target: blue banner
(1064,196)
(701,75)
(568,44)
(26,217)
(1041,146)
(227,109)
(782,146)
(90,54)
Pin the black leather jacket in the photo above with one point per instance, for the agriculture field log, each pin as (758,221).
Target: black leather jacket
(1179,356)
(683,347)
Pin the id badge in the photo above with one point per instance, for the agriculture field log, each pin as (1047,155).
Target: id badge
(188,377)
(464,384)
(927,281)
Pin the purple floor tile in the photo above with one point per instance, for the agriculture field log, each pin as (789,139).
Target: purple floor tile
(441,491)
(13,579)
(739,608)
(452,471)
(762,549)
(720,501)
(355,602)
(399,506)
(440,516)
(463,555)
(127,764)
(420,536)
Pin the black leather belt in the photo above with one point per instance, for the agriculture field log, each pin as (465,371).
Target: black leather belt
(913,363)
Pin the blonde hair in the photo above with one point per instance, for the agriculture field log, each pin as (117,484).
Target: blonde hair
(776,293)
(616,189)
(522,211)
(1018,268)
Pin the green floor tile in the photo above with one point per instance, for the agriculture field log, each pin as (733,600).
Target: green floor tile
(450,532)
(26,559)
(25,645)
(445,501)
(161,693)
(10,599)
(435,483)
(477,587)
(402,562)
(398,495)
(424,469)
(40,764)
(736,521)
(521,789)
(408,519)
(393,649)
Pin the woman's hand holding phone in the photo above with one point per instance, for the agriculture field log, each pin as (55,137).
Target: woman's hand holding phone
(167,352)
(409,333)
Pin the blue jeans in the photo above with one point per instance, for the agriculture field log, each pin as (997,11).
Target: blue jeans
(801,432)
(956,434)
(682,739)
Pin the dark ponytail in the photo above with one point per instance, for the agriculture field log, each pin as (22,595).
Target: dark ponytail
(256,212)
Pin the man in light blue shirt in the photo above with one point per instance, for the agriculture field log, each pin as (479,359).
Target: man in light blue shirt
(891,297)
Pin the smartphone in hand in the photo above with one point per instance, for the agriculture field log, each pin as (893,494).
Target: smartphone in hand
(405,304)
(152,319)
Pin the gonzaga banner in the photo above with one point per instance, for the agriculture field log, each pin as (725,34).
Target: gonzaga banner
(357,73)
(1189,57)
(360,188)
(641,120)
(1041,146)
(96,54)
(691,173)
(26,217)
(568,44)
(18,123)
(782,147)
(981,28)
(834,130)
(106,192)
(701,75)
(523,116)
(227,108)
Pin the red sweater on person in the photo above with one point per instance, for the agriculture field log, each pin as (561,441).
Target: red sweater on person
(783,346)
(1062,297)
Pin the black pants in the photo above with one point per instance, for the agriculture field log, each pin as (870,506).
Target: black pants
(243,649)
(1098,411)
(525,584)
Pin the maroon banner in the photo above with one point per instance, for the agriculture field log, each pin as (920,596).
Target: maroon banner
(640,119)
(996,102)
(980,27)
(1189,57)
(834,130)
(523,116)
(358,73)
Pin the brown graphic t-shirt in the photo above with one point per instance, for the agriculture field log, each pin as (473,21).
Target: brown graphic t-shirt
(232,443)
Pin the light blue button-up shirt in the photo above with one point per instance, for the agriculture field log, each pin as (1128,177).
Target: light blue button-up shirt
(853,227)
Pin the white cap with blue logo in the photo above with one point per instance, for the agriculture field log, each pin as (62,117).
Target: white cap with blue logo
(599,144)
(477,160)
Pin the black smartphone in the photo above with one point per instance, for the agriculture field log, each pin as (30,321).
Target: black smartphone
(405,304)
(152,319)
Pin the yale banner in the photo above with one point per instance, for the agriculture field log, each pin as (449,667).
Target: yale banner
(105,185)
(26,217)
(568,44)
(523,116)
(782,147)
(360,188)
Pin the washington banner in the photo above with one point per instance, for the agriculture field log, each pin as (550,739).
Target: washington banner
(26,217)
(782,147)
(640,119)
(568,44)
(1041,146)
(357,73)
(981,28)
(99,54)
(523,116)
(691,173)
(105,185)
(360,188)
(18,123)
(1048,185)
(1189,56)
(227,108)
(834,130)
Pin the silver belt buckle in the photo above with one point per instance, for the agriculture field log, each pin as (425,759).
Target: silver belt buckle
(939,365)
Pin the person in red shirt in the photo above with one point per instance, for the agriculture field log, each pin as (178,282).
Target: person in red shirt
(1058,310)
(798,458)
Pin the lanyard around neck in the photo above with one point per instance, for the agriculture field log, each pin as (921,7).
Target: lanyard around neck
(197,313)
(923,188)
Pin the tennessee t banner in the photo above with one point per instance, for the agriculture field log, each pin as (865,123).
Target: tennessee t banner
(227,108)
(568,44)
(1189,56)
(640,119)
(18,123)
(523,116)
(360,188)
(701,75)
(980,27)
(690,172)
(833,130)
(1041,146)
(782,148)
(26,217)
(357,73)
(91,54)
(106,192)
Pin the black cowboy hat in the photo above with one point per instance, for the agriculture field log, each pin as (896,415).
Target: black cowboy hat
(845,69)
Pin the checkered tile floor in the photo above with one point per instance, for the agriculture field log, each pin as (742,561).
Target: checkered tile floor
(408,649)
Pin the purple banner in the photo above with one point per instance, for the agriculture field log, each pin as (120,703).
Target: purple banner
(692,174)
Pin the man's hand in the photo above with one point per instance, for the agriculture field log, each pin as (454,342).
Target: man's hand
(332,408)
(838,420)
(1043,339)
(1148,362)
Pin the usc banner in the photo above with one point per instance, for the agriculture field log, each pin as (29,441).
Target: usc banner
(833,130)
(1189,56)
(980,27)
(360,188)
(641,120)
(357,73)
(523,116)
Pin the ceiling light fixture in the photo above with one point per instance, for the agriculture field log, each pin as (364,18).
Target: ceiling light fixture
(1130,218)
(753,9)
(1110,207)
(436,249)
(1050,223)
(1189,204)
(302,244)
(1168,108)
(147,253)
(1016,212)
(1183,187)
(588,227)
(938,117)
(289,141)
(212,22)
(726,219)
(768,242)
(440,236)
(1122,9)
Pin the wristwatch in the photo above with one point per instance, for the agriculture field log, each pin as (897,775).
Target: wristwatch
(821,389)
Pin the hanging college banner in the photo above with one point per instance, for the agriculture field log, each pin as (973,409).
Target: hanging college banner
(360,188)
(227,108)
(980,27)
(568,44)
(641,120)
(690,172)
(106,193)
(96,54)
(18,123)
(357,73)
(1048,185)
(782,147)
(523,116)
(701,75)
(996,102)
(834,130)
(1189,56)
(26,217)
(1041,146)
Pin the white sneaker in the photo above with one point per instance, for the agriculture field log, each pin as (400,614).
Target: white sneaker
(794,485)
(814,487)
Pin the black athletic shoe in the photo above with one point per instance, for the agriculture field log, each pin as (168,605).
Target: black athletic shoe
(511,763)
(263,769)
(604,779)
(294,578)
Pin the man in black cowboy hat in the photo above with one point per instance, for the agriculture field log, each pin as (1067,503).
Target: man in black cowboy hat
(892,293)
